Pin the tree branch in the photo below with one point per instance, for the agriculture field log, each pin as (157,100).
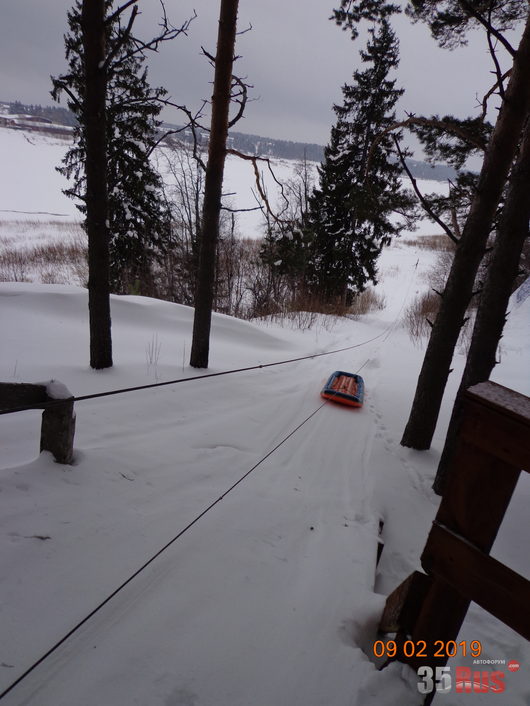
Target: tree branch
(168,33)
(259,184)
(60,85)
(493,54)
(240,98)
(120,10)
(421,197)
(498,84)
(123,38)
(488,26)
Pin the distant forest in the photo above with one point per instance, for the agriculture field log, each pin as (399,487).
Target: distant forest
(61,116)
(249,144)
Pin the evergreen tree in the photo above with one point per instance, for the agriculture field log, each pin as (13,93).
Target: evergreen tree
(138,221)
(359,185)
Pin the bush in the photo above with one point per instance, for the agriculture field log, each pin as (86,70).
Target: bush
(429,242)
(418,315)
(367,301)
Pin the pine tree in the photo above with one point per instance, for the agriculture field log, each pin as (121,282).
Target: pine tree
(359,185)
(138,219)
(213,184)
(498,160)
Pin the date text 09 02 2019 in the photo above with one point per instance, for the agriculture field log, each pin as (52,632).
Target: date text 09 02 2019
(420,648)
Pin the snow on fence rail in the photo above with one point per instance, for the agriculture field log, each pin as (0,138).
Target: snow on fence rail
(58,420)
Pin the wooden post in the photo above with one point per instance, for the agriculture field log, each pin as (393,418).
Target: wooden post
(58,420)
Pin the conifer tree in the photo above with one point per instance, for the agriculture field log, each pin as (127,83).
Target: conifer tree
(359,185)
(137,217)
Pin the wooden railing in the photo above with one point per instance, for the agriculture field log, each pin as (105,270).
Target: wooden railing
(58,417)
(492,450)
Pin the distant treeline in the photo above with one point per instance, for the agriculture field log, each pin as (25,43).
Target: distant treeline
(249,144)
(61,116)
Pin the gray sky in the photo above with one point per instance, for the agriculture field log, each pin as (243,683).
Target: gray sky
(295,58)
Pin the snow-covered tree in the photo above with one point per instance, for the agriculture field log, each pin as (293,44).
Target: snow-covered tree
(138,221)
(359,185)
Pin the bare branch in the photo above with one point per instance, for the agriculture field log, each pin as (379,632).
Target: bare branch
(210,57)
(193,124)
(259,182)
(164,136)
(124,37)
(119,11)
(244,31)
(241,210)
(493,54)
(168,32)
(488,26)
(499,84)
(421,197)
(240,98)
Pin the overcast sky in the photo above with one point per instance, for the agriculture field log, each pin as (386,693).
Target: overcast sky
(295,58)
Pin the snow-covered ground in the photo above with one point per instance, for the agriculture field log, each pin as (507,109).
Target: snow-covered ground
(32,187)
(272,598)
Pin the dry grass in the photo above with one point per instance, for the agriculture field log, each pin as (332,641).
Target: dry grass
(367,301)
(418,315)
(50,263)
(305,312)
(439,243)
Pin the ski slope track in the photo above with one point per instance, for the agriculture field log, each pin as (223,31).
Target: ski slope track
(272,598)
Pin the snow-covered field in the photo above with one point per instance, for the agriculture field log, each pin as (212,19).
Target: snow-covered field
(271,598)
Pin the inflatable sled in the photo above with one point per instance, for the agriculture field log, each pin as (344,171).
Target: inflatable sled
(344,388)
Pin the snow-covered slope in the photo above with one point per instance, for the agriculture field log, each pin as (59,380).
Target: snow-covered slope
(32,188)
(273,595)
(272,598)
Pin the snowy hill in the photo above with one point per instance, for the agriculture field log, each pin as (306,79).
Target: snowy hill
(32,188)
(272,597)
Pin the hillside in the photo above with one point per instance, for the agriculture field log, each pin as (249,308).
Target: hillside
(61,118)
(267,501)
(32,187)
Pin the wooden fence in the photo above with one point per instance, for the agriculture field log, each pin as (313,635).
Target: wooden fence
(492,450)
(58,418)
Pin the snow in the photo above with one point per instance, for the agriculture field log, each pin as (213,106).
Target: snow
(504,397)
(31,186)
(56,390)
(272,597)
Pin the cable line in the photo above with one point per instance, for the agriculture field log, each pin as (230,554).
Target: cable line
(108,393)
(387,332)
(188,526)
(155,556)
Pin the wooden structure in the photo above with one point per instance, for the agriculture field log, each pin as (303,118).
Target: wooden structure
(492,450)
(58,418)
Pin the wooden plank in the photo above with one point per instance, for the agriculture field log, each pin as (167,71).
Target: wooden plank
(478,577)
(439,620)
(404,603)
(478,493)
(20,394)
(500,398)
(496,431)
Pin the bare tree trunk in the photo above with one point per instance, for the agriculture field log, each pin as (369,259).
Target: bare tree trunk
(459,288)
(213,183)
(94,125)
(491,314)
